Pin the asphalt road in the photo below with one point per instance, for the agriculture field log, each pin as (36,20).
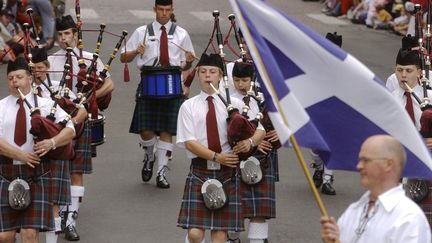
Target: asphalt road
(118,207)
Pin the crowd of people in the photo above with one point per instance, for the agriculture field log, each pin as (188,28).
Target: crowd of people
(15,13)
(396,16)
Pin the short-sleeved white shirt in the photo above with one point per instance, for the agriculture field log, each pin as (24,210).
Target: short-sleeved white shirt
(191,121)
(151,54)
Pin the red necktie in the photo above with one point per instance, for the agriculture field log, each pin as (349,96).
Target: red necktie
(20,136)
(164,57)
(212,130)
(409,106)
(39,91)
(69,82)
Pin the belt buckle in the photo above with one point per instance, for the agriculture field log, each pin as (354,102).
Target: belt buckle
(211,165)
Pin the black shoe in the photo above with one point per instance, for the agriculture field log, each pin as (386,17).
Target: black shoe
(147,170)
(318,176)
(236,240)
(328,189)
(161,180)
(71,233)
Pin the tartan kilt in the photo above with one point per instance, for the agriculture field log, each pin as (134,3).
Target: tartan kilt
(39,214)
(60,175)
(159,115)
(426,204)
(193,212)
(82,163)
(259,200)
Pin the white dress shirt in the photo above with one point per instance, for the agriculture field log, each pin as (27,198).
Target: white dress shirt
(395,218)
(398,93)
(177,56)
(8,111)
(58,60)
(191,121)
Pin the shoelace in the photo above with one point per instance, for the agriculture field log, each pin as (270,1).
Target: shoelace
(162,172)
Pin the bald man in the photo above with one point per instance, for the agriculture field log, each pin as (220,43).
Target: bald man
(383,213)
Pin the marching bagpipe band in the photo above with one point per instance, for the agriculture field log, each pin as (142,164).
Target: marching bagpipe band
(417,189)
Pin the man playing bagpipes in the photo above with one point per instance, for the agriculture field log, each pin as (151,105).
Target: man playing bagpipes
(411,95)
(25,179)
(82,164)
(258,197)
(163,50)
(211,199)
(60,171)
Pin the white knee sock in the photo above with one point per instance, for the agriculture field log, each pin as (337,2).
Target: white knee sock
(51,237)
(162,149)
(316,159)
(57,223)
(327,175)
(76,193)
(148,146)
(258,232)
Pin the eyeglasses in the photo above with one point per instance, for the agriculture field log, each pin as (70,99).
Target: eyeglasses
(367,160)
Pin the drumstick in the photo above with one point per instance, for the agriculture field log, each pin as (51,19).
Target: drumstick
(145,36)
(183,49)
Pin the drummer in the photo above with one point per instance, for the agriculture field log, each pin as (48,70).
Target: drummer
(82,164)
(165,45)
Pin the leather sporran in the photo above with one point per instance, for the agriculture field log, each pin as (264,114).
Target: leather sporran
(417,190)
(251,172)
(213,194)
(19,194)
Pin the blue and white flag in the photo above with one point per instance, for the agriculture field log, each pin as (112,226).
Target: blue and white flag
(345,101)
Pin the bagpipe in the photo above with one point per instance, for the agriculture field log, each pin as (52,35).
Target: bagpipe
(63,101)
(44,128)
(417,189)
(239,127)
(254,91)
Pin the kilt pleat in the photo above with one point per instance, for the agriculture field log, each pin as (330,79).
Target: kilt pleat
(194,214)
(39,215)
(273,155)
(259,200)
(83,154)
(158,115)
(60,175)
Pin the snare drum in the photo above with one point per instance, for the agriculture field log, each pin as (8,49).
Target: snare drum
(160,82)
(97,130)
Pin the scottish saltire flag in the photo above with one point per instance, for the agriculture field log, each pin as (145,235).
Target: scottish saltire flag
(345,101)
